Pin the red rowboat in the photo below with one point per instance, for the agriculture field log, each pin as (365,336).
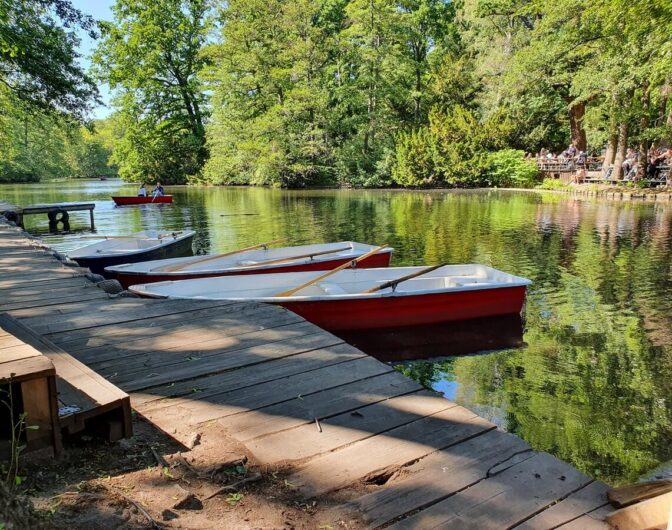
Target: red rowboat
(128,200)
(447,293)
(255,260)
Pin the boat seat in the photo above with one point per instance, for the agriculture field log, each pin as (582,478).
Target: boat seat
(332,288)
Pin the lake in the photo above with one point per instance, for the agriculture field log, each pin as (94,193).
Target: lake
(587,376)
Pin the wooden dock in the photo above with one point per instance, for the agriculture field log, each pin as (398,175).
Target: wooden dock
(338,422)
(56,213)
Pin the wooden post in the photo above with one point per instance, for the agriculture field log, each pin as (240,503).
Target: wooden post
(93,227)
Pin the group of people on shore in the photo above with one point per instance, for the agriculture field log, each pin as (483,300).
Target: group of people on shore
(657,159)
(156,192)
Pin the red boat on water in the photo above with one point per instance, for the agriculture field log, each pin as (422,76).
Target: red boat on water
(128,200)
(358,299)
(258,259)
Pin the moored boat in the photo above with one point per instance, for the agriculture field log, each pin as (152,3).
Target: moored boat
(254,260)
(140,246)
(353,299)
(128,200)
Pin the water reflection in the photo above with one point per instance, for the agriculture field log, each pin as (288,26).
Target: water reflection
(439,340)
(594,384)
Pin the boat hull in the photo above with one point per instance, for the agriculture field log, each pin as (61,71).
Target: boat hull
(128,278)
(412,310)
(180,248)
(131,200)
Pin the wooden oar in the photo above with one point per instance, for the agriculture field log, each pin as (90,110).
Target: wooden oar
(292,258)
(394,283)
(180,266)
(290,292)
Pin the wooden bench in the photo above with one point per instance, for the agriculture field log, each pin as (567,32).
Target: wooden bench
(29,380)
(86,400)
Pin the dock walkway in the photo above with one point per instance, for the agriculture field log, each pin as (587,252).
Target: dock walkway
(337,421)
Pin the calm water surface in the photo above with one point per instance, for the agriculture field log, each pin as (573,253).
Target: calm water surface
(592,383)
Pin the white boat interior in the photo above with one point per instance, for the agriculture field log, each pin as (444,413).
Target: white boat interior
(256,259)
(345,284)
(136,242)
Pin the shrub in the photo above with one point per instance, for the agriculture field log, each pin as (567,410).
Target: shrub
(509,168)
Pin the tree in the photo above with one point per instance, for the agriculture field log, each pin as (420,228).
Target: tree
(38,57)
(151,55)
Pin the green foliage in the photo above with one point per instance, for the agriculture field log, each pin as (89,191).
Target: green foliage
(35,145)
(38,57)
(151,55)
(553,184)
(509,168)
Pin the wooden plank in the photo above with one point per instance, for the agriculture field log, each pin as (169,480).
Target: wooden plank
(440,475)
(210,335)
(648,514)
(93,314)
(395,449)
(595,520)
(25,369)
(28,289)
(169,359)
(40,279)
(233,359)
(504,500)
(67,367)
(38,408)
(23,351)
(323,404)
(626,495)
(585,500)
(192,411)
(209,384)
(344,429)
(9,341)
(89,338)
(77,297)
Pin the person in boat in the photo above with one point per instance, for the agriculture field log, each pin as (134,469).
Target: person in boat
(158,190)
(142,192)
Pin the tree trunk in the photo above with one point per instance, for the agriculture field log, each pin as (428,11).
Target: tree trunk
(642,162)
(612,145)
(621,149)
(576,113)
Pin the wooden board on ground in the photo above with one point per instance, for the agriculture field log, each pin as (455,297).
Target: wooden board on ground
(323,404)
(504,500)
(393,450)
(440,475)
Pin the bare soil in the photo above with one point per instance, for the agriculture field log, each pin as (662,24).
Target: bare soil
(151,481)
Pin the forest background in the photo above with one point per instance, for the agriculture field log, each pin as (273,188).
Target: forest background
(417,93)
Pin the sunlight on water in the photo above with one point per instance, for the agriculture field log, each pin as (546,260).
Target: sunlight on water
(593,385)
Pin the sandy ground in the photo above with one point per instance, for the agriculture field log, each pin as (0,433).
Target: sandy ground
(146,482)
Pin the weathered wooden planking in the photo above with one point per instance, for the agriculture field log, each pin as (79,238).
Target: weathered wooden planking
(204,351)
(173,329)
(35,366)
(76,383)
(15,353)
(233,359)
(173,347)
(40,287)
(39,279)
(585,500)
(393,449)
(108,334)
(55,300)
(323,404)
(504,500)
(632,493)
(649,514)
(440,475)
(595,520)
(250,375)
(54,319)
(193,411)
(346,428)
